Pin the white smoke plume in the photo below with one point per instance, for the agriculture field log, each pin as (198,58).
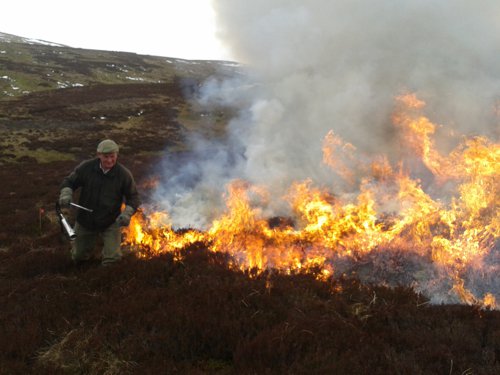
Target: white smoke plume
(319,65)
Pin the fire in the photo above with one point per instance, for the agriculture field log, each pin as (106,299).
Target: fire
(338,154)
(155,235)
(449,220)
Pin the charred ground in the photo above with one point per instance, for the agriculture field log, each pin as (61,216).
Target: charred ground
(149,316)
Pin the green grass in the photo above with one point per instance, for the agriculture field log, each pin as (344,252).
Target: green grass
(40,155)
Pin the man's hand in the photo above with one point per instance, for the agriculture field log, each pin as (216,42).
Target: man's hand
(65,197)
(123,219)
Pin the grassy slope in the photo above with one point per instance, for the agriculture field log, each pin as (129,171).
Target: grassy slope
(160,316)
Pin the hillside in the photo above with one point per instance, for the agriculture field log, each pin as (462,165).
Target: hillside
(57,103)
(189,312)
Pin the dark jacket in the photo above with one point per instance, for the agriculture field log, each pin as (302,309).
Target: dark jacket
(103,193)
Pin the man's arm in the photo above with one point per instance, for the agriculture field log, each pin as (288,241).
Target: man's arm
(130,192)
(69,184)
(73,180)
(132,200)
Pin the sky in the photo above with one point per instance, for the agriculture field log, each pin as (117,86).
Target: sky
(171,28)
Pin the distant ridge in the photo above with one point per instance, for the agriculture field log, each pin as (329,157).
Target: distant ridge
(9,38)
(32,65)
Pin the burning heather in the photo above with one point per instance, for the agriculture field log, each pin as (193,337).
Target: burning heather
(441,236)
(366,145)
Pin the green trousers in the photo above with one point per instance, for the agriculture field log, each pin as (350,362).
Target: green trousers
(84,244)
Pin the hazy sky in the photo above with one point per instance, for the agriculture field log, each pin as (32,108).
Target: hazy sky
(171,28)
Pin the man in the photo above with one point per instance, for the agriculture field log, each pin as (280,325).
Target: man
(105,185)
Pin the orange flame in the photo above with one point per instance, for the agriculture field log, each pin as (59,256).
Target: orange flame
(456,232)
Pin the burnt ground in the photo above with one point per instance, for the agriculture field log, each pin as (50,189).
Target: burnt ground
(195,316)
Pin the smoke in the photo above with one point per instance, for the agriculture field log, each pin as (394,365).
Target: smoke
(322,65)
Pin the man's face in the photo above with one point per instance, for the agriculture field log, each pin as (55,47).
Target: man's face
(108,160)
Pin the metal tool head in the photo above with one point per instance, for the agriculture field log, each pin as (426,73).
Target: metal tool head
(81,207)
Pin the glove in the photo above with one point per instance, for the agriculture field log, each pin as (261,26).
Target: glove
(123,219)
(65,197)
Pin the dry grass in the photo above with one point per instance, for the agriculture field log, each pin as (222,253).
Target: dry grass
(198,316)
(70,354)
